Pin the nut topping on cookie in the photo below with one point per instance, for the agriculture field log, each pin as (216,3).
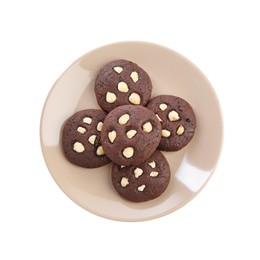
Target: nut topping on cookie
(128,152)
(131,133)
(100,150)
(118,69)
(158,118)
(78,147)
(152,164)
(112,136)
(166,133)
(92,139)
(124,182)
(81,130)
(122,87)
(173,116)
(141,188)
(135,99)
(154,174)
(123,119)
(163,106)
(99,126)
(180,130)
(134,76)
(87,120)
(110,97)
(147,127)
(138,172)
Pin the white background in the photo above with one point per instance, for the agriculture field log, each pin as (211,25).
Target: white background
(39,40)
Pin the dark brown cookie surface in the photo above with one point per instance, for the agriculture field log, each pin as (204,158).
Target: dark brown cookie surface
(177,119)
(81,138)
(130,134)
(122,82)
(144,182)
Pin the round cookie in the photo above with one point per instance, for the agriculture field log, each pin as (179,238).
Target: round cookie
(144,182)
(177,119)
(130,134)
(122,82)
(81,138)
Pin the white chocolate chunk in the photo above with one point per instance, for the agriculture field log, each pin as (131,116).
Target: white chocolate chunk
(92,139)
(112,136)
(110,97)
(122,166)
(99,126)
(180,130)
(135,99)
(138,172)
(152,164)
(124,182)
(78,147)
(118,69)
(123,119)
(81,130)
(100,150)
(154,174)
(134,76)
(158,118)
(173,116)
(122,87)
(166,133)
(163,106)
(147,127)
(141,188)
(87,120)
(128,152)
(131,133)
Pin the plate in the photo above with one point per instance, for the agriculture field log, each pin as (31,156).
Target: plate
(171,73)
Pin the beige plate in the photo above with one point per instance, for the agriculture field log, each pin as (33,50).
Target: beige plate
(191,167)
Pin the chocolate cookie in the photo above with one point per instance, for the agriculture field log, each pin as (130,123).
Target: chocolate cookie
(122,82)
(144,182)
(81,138)
(177,119)
(130,134)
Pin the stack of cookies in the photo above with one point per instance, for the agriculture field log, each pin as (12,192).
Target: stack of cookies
(129,130)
